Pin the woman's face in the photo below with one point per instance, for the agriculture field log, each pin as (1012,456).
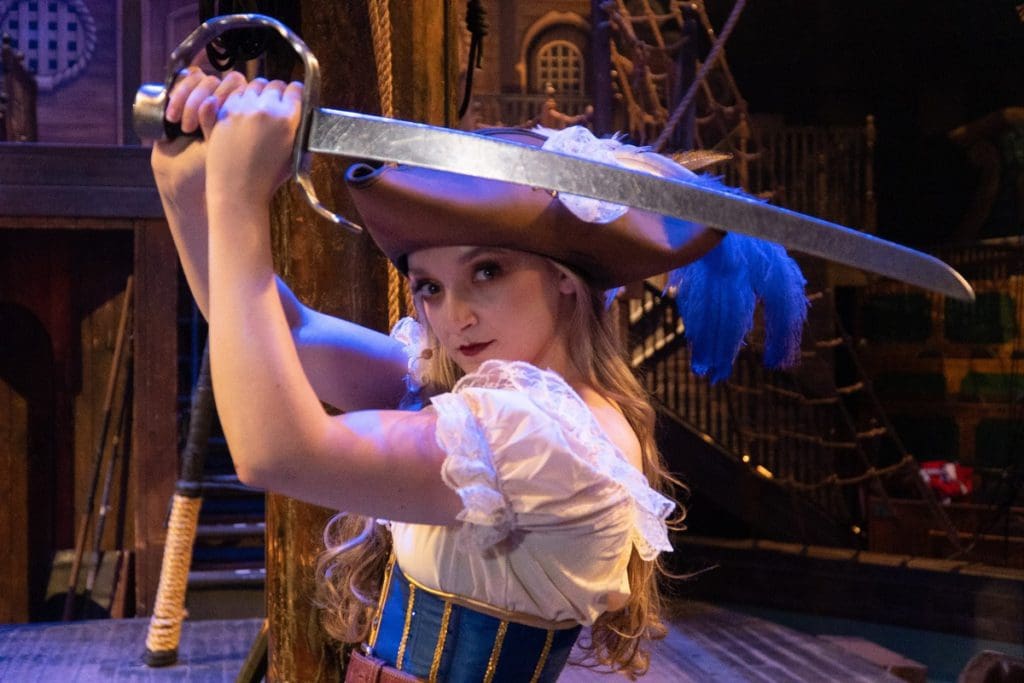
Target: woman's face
(487,303)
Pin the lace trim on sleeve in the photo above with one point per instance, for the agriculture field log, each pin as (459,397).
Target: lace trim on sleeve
(413,338)
(469,471)
(556,398)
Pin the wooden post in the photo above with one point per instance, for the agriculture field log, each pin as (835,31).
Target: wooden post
(340,274)
(601,69)
(154,401)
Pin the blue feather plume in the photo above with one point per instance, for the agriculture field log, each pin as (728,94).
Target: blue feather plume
(717,294)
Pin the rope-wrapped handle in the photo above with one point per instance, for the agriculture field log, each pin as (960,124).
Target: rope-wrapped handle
(151,99)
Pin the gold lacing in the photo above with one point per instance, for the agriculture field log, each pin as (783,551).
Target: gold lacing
(405,629)
(543,656)
(492,663)
(441,637)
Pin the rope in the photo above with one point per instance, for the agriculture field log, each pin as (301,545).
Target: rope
(380,27)
(705,69)
(476,24)
(169,611)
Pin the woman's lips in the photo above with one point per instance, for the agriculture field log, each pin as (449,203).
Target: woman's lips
(474,349)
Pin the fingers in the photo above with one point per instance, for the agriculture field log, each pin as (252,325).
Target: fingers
(293,92)
(182,88)
(265,95)
(196,96)
(190,111)
(233,82)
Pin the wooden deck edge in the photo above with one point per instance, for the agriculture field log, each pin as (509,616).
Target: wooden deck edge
(970,599)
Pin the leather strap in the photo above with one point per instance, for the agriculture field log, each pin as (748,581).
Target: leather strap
(365,669)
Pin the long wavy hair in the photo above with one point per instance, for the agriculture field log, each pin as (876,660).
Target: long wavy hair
(350,570)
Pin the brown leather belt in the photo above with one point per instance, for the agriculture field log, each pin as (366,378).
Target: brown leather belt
(365,669)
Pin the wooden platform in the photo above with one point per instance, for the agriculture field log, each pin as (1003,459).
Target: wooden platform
(711,644)
(705,644)
(110,651)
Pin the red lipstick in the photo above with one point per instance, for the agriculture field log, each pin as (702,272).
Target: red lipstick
(473,349)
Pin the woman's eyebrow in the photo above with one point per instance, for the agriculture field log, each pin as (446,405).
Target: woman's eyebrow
(476,252)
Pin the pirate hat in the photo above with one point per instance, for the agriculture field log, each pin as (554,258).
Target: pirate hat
(717,277)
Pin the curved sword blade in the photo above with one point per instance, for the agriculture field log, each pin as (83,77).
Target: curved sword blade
(392,140)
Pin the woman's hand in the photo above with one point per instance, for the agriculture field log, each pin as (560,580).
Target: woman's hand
(179,165)
(250,147)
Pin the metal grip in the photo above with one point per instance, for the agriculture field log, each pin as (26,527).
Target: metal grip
(148,115)
(151,99)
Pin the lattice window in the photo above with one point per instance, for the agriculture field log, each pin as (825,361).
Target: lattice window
(560,64)
(56,37)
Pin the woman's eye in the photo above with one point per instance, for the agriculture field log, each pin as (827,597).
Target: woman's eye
(426,288)
(486,271)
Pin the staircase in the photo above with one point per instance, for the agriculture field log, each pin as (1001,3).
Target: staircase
(788,456)
(228,571)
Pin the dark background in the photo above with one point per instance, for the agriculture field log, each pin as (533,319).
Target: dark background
(920,67)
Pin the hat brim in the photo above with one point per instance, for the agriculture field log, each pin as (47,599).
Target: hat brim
(406,209)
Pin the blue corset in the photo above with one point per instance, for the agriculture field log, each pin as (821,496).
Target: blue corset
(436,638)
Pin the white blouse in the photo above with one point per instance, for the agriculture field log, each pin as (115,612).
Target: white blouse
(552,508)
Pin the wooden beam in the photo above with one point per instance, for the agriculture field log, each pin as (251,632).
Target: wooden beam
(154,459)
(80,181)
(341,274)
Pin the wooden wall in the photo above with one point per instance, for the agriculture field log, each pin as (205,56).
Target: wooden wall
(74,223)
(133,41)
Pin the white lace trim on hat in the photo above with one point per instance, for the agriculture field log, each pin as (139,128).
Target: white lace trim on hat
(578,141)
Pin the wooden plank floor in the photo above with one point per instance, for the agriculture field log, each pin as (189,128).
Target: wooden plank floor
(711,644)
(110,651)
(705,643)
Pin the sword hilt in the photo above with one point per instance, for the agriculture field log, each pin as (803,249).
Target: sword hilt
(151,99)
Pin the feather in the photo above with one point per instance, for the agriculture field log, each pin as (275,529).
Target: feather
(717,295)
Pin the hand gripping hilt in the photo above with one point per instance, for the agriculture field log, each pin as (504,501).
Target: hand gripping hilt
(151,99)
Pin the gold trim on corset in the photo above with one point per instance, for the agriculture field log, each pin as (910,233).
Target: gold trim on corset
(543,656)
(496,612)
(385,588)
(441,637)
(492,663)
(405,629)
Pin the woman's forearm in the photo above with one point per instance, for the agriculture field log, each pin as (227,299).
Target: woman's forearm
(256,368)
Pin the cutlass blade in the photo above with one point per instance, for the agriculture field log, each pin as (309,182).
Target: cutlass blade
(390,140)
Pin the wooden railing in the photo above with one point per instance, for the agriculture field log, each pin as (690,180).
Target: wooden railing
(495,109)
(826,171)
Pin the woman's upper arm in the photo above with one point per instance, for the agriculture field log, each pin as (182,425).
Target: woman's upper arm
(378,463)
(349,366)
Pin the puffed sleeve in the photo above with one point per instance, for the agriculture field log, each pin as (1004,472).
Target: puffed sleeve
(525,453)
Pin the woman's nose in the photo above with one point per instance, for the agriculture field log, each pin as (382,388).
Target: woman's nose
(461,311)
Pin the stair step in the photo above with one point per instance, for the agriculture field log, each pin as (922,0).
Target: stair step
(221,509)
(212,578)
(228,557)
(226,484)
(231,530)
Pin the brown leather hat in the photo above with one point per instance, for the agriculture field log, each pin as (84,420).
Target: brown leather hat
(406,209)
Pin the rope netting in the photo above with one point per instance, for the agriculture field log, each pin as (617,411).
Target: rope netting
(818,430)
(825,440)
(655,47)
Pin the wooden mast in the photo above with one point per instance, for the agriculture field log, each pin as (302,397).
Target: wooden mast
(341,274)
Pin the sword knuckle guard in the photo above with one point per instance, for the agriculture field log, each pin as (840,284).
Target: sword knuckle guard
(151,99)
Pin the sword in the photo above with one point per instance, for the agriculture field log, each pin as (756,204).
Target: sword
(351,134)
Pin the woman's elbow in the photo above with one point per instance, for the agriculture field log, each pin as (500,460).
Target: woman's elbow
(260,467)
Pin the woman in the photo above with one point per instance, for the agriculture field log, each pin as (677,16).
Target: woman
(523,500)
